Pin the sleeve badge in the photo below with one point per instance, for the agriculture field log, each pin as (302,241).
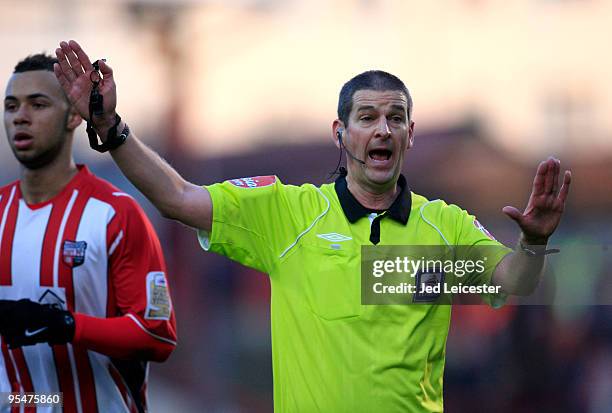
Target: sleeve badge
(254,181)
(159,305)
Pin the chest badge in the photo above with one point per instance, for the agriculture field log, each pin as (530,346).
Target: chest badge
(73,253)
(428,286)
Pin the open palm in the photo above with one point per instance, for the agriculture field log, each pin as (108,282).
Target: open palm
(546,204)
(74,73)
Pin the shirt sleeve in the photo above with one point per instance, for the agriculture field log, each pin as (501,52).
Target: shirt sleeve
(120,337)
(138,287)
(477,243)
(254,219)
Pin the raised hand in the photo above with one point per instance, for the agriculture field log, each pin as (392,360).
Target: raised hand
(546,204)
(74,73)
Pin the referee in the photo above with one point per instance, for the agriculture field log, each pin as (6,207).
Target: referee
(330,352)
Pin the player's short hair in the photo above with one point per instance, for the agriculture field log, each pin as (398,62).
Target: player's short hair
(370,80)
(39,61)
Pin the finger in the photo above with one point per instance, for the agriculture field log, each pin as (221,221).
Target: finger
(106,70)
(513,213)
(567,180)
(72,58)
(64,65)
(556,176)
(81,55)
(63,81)
(549,178)
(539,180)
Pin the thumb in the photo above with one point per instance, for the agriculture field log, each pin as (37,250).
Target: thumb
(513,213)
(106,70)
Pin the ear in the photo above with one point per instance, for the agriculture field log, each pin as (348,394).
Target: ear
(410,136)
(74,119)
(337,126)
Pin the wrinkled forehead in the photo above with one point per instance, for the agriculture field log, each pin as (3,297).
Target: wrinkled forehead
(380,99)
(36,82)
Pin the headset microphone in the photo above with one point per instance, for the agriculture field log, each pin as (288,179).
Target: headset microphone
(339,135)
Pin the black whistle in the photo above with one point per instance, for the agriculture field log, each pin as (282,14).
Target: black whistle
(96,101)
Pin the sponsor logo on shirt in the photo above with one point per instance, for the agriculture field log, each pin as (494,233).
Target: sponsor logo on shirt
(483,229)
(50,297)
(254,181)
(73,253)
(159,306)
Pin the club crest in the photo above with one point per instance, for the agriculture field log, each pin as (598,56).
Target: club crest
(73,253)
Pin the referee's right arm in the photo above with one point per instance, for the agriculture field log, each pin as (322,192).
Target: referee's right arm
(173,196)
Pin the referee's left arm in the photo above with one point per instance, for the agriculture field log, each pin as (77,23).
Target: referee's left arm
(519,272)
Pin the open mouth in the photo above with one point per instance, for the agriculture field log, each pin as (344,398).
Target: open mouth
(22,136)
(22,140)
(380,154)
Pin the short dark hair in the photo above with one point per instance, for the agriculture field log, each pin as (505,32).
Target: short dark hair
(370,80)
(39,61)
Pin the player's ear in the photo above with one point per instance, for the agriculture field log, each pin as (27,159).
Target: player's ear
(74,119)
(337,132)
(410,135)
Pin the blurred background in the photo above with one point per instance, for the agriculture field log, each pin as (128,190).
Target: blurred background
(235,88)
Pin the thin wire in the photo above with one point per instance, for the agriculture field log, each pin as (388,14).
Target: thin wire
(340,170)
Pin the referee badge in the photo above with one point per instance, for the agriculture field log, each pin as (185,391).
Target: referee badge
(73,253)
(428,286)
(254,181)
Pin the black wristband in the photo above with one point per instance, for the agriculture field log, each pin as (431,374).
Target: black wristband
(538,252)
(113,140)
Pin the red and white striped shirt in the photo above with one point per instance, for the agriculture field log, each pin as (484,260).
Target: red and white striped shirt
(92,250)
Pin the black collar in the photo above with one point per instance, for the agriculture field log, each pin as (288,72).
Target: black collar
(399,210)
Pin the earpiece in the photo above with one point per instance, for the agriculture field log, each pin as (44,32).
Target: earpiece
(339,135)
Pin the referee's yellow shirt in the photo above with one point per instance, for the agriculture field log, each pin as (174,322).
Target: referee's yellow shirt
(330,353)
